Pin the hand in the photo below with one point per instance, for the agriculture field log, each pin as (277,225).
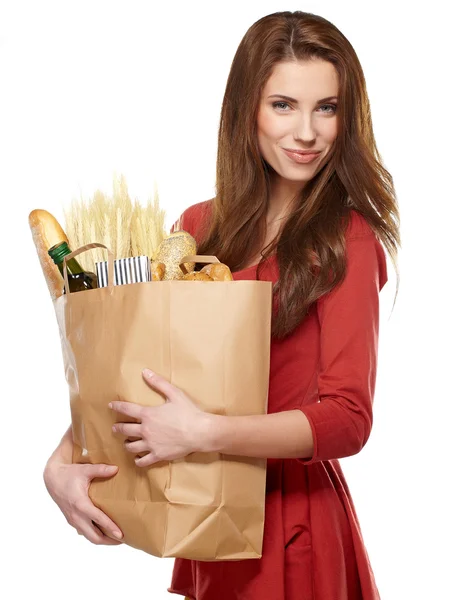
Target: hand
(166,432)
(68,485)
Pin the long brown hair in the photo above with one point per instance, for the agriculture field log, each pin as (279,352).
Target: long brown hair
(352,177)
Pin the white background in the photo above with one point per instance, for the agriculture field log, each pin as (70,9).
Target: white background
(93,88)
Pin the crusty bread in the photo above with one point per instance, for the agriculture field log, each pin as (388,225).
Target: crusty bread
(196,276)
(218,272)
(172,249)
(46,232)
(158,270)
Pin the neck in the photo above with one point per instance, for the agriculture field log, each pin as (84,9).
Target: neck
(282,194)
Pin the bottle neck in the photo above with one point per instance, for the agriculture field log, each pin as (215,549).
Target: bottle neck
(58,253)
(73,267)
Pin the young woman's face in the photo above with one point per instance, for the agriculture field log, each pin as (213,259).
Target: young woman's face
(304,120)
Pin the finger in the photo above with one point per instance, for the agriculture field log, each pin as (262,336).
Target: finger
(106,539)
(128,429)
(89,531)
(145,461)
(103,521)
(93,533)
(159,384)
(100,470)
(137,446)
(127,408)
(86,512)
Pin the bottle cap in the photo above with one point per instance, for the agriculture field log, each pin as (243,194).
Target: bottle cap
(59,251)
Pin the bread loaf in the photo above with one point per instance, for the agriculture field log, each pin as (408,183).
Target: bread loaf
(47,232)
(218,272)
(158,270)
(197,276)
(171,251)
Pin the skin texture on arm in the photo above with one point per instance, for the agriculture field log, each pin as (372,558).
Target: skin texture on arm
(63,452)
(285,434)
(179,427)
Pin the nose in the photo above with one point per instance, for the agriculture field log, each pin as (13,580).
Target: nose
(305,130)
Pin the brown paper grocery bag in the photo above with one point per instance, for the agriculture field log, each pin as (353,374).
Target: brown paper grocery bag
(212,340)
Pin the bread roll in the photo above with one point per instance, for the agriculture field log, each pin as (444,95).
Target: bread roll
(218,272)
(158,270)
(171,251)
(197,276)
(46,232)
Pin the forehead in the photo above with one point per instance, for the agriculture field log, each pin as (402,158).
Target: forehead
(303,80)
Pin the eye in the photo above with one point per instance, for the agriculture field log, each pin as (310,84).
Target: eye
(275,104)
(331,106)
(281,106)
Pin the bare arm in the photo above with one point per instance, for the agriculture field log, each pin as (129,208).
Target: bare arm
(63,452)
(68,485)
(285,434)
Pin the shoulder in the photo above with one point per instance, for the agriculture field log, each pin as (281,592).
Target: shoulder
(364,250)
(192,217)
(198,210)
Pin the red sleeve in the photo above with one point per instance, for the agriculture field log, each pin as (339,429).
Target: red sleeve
(193,218)
(341,420)
(183,222)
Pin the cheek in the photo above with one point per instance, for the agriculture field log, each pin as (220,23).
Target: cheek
(269,128)
(330,132)
(270,132)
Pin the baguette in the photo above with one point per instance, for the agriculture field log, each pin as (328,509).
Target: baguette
(46,232)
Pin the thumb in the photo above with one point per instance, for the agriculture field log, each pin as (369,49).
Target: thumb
(101,470)
(159,383)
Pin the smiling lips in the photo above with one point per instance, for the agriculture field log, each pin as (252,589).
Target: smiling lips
(302,156)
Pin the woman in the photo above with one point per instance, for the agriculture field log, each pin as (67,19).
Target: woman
(302,200)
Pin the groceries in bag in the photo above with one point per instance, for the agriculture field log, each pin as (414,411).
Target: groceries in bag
(78,279)
(46,233)
(206,506)
(133,269)
(52,245)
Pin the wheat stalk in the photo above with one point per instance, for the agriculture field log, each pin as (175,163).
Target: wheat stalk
(125,227)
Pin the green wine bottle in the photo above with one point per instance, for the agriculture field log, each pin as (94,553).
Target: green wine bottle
(78,279)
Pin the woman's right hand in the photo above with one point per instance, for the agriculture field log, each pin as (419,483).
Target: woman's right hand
(68,485)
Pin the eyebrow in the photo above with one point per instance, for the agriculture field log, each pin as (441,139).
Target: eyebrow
(296,101)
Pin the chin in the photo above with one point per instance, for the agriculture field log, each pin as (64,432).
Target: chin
(303,174)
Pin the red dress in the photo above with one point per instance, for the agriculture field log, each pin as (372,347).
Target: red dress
(313,547)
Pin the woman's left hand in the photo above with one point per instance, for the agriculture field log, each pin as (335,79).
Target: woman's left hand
(170,431)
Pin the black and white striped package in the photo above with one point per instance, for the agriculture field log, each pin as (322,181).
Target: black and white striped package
(134,269)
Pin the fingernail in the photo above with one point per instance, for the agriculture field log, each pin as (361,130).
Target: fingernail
(147,372)
(110,405)
(117,534)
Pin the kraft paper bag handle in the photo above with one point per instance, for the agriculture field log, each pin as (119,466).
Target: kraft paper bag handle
(197,259)
(83,249)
